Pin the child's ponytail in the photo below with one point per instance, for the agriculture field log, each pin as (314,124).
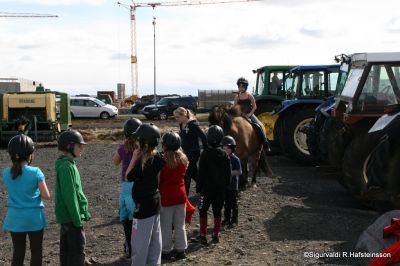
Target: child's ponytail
(16,168)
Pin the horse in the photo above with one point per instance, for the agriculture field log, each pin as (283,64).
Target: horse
(249,147)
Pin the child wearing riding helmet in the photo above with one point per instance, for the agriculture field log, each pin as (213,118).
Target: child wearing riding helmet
(71,205)
(144,169)
(190,133)
(173,197)
(231,190)
(26,188)
(123,156)
(214,175)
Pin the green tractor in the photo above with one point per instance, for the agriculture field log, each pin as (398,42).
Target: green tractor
(269,93)
(42,115)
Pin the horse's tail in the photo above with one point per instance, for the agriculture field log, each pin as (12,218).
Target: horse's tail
(263,164)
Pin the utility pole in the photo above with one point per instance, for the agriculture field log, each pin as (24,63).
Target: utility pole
(154,57)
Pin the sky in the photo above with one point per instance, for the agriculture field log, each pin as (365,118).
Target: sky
(87,48)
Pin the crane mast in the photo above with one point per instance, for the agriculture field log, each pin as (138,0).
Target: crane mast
(132,8)
(26,15)
(134,67)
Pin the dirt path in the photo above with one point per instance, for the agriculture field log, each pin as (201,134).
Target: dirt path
(301,210)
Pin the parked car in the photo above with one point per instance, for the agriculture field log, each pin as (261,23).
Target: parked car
(166,106)
(145,100)
(91,107)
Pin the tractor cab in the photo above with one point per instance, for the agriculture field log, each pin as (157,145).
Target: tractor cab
(271,81)
(312,81)
(373,83)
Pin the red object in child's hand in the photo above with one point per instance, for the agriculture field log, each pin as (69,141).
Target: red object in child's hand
(189,211)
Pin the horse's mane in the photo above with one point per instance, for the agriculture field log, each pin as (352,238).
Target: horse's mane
(234,111)
(223,116)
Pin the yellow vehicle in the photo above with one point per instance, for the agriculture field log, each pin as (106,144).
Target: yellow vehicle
(41,115)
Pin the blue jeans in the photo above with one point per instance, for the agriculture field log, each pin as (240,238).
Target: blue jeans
(260,132)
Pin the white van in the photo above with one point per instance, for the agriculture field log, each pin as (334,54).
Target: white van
(91,107)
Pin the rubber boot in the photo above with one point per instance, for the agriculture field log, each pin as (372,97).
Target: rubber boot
(203,230)
(203,226)
(217,229)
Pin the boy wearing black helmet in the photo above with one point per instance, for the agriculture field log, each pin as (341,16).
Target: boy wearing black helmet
(231,191)
(123,156)
(214,175)
(26,189)
(71,205)
(144,169)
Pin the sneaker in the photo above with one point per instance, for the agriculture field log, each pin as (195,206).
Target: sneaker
(225,222)
(232,225)
(215,239)
(127,253)
(165,256)
(203,240)
(179,255)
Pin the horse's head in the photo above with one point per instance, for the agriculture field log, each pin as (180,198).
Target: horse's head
(219,116)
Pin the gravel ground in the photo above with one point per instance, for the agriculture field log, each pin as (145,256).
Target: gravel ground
(289,219)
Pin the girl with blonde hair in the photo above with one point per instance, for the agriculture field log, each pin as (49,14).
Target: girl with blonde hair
(190,133)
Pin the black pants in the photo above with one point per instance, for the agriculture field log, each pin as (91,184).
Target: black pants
(128,232)
(19,246)
(216,200)
(191,172)
(72,245)
(231,206)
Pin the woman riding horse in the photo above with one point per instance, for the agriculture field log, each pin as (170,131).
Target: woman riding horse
(248,106)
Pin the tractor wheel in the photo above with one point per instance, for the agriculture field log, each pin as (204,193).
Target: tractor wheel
(354,158)
(382,170)
(292,134)
(314,138)
(336,136)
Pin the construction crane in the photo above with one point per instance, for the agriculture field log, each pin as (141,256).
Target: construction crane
(26,15)
(132,8)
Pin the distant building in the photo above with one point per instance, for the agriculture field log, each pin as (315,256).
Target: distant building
(120,91)
(17,85)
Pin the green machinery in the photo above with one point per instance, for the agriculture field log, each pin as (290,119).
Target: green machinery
(269,93)
(42,114)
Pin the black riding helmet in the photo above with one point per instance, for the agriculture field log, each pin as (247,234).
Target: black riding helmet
(242,81)
(215,135)
(228,141)
(130,126)
(21,145)
(147,134)
(68,138)
(171,141)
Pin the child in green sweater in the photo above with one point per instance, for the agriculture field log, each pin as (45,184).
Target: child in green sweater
(71,205)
